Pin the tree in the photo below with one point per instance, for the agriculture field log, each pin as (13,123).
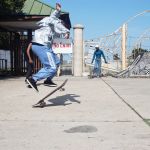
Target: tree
(137,51)
(9,7)
(4,40)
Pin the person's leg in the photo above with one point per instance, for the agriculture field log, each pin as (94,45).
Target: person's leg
(95,68)
(49,81)
(46,57)
(29,70)
(98,68)
(27,61)
(49,67)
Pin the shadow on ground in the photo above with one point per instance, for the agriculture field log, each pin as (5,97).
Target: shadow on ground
(63,100)
(82,129)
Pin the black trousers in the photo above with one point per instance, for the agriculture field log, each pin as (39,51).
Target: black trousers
(30,67)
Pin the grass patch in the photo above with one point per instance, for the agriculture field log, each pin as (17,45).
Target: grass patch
(147,121)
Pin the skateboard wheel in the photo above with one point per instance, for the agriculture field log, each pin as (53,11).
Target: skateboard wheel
(42,104)
(62,89)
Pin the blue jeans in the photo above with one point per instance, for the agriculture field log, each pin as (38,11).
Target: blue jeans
(49,60)
(97,68)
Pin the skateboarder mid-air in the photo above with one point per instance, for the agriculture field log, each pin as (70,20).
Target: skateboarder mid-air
(97,58)
(49,28)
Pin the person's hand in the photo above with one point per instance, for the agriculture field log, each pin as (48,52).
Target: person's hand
(30,61)
(67,35)
(58,6)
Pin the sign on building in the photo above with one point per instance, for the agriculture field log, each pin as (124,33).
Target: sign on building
(63,46)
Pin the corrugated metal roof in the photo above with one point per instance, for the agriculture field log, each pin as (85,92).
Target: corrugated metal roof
(33,11)
(37,7)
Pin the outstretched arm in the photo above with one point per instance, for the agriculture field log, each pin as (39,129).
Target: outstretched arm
(56,13)
(104,57)
(28,53)
(58,6)
(59,27)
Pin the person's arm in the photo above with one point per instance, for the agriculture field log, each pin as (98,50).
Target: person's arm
(93,57)
(58,7)
(28,53)
(104,57)
(56,13)
(59,27)
(52,19)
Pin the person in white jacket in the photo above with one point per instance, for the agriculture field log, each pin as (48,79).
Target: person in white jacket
(49,28)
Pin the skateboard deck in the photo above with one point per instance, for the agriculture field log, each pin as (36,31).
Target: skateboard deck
(41,102)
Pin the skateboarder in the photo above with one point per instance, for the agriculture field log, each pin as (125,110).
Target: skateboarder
(97,58)
(49,28)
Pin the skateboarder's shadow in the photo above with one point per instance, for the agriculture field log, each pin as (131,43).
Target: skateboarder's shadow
(63,100)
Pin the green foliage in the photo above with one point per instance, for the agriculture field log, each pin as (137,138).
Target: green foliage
(4,40)
(8,7)
(137,51)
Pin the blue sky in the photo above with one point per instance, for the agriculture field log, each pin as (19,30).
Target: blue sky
(102,17)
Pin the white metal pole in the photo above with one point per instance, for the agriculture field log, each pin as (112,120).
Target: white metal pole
(124,28)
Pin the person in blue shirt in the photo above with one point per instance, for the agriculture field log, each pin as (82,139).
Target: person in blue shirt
(97,61)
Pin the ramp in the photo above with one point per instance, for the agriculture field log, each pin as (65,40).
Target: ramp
(139,68)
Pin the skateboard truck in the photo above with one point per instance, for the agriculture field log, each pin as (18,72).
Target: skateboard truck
(41,102)
(62,89)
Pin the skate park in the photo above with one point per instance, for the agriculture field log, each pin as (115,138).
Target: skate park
(115,115)
(111,112)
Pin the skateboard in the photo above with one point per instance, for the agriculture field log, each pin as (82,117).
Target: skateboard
(41,102)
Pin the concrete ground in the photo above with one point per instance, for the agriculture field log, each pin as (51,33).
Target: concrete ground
(91,114)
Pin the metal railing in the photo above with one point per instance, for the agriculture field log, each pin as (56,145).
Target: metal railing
(3,64)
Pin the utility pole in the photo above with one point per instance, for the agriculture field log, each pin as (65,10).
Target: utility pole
(78,50)
(123,52)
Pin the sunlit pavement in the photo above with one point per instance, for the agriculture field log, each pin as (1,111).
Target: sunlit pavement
(91,114)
